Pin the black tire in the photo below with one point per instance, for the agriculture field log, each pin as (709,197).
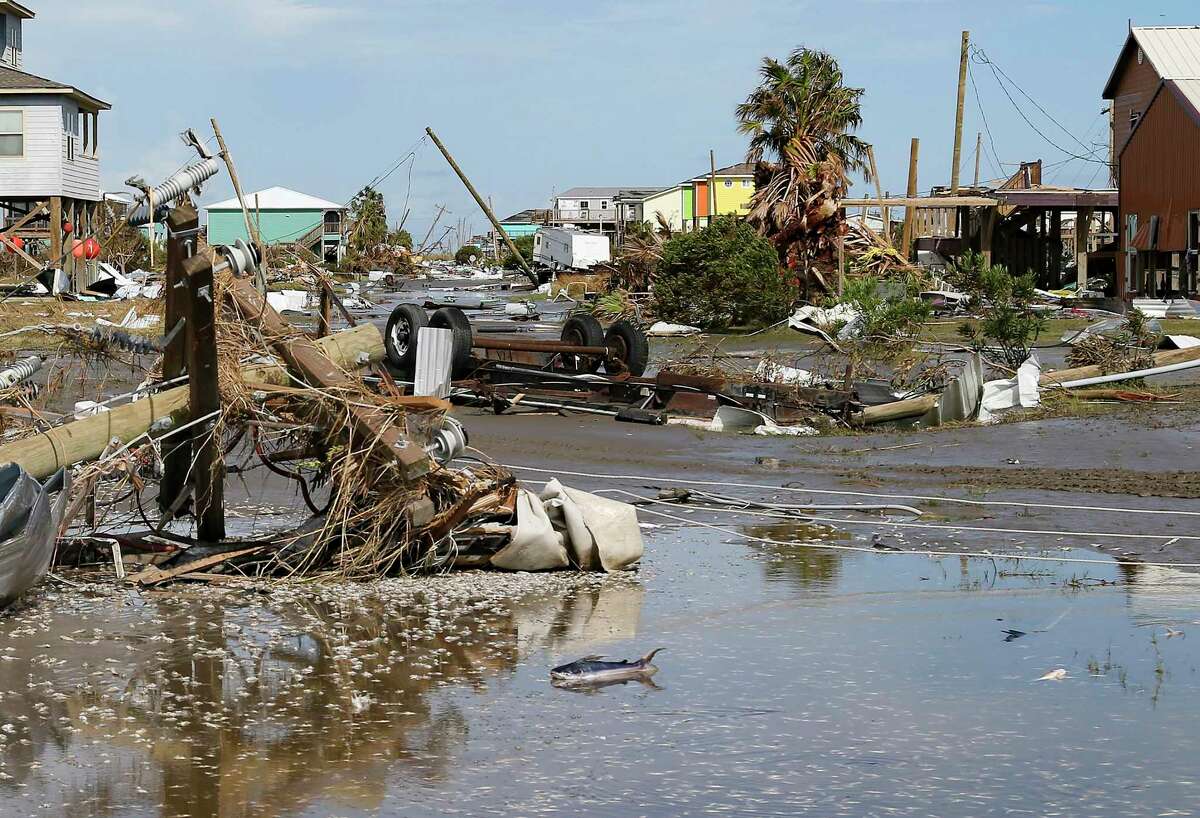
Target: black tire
(455,320)
(400,337)
(628,344)
(582,330)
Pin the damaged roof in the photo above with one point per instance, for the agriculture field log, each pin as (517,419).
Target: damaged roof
(13,81)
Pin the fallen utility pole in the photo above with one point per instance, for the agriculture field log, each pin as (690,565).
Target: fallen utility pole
(84,440)
(487,211)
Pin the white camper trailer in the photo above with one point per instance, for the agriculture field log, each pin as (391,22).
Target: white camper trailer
(561,248)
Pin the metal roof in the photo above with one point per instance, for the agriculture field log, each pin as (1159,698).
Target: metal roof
(1174,51)
(278,198)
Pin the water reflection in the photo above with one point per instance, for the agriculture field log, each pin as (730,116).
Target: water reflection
(806,567)
(222,706)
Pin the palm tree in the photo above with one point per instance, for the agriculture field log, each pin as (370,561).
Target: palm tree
(800,121)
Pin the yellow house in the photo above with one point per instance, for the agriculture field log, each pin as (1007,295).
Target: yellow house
(735,188)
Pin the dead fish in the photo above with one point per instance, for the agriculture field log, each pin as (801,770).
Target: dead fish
(1054,676)
(594,670)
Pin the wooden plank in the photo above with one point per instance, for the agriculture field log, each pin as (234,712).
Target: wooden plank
(370,423)
(923,202)
(156,576)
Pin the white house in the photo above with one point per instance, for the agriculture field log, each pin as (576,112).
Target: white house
(49,144)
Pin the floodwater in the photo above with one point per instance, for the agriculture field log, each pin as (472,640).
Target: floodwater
(793,681)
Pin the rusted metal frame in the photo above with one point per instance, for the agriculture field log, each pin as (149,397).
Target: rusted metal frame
(305,357)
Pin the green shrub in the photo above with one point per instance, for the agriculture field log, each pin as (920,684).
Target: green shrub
(525,246)
(467,254)
(1008,325)
(723,275)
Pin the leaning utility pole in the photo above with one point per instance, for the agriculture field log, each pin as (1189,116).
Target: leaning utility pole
(487,211)
(958,116)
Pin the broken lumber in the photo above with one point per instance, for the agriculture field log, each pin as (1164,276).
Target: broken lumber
(84,440)
(370,422)
(157,576)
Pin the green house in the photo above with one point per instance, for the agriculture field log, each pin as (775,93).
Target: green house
(283,216)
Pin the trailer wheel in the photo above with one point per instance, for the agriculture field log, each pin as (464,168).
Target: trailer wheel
(628,344)
(400,338)
(455,320)
(582,330)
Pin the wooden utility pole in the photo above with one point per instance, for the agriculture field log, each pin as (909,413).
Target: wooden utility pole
(251,229)
(910,212)
(712,187)
(883,211)
(487,211)
(978,152)
(208,471)
(183,225)
(56,231)
(958,116)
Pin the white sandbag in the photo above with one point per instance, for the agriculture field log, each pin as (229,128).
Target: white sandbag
(601,534)
(535,545)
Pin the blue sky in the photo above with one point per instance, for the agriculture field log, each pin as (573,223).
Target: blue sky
(538,96)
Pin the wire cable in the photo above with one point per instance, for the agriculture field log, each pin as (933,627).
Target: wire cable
(847,493)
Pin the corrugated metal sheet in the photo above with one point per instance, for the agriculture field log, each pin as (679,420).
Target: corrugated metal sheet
(1174,51)
(435,348)
(1191,91)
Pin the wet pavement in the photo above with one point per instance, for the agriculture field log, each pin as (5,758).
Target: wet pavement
(794,681)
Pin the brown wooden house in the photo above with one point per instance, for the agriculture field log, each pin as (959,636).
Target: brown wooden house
(1155,93)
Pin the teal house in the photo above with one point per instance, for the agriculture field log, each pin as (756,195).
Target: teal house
(283,216)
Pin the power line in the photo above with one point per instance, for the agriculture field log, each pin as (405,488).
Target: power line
(999,166)
(982,58)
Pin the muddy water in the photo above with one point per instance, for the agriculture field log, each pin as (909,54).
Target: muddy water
(794,681)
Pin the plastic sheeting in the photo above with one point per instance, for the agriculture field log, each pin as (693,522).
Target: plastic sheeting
(1022,390)
(29,521)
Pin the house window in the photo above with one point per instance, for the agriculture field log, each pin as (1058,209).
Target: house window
(728,183)
(12,133)
(747,183)
(583,205)
(604,205)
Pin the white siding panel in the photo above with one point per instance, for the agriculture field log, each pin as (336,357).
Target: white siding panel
(39,171)
(81,175)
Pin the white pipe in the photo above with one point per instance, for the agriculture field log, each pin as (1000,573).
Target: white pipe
(1128,376)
